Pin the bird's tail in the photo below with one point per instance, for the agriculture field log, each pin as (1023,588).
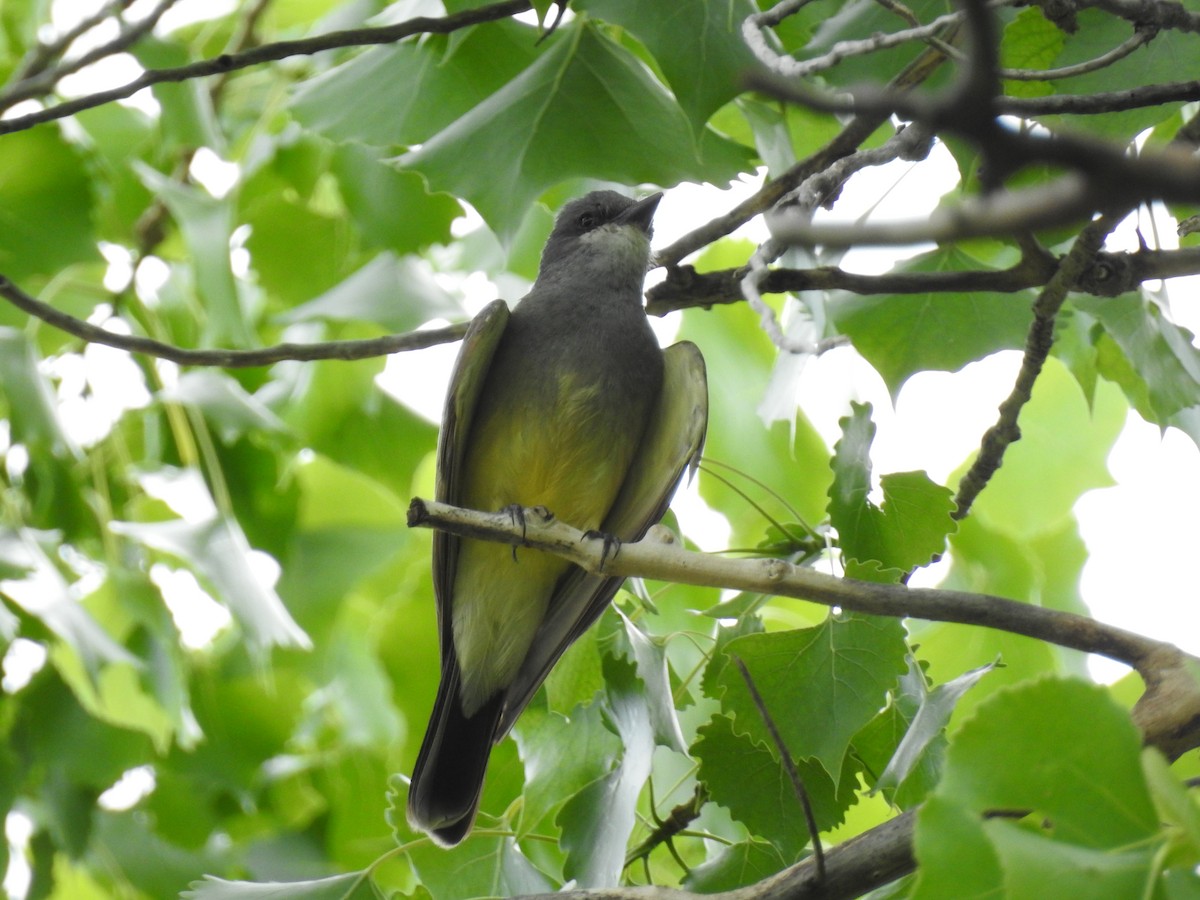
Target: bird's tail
(448,778)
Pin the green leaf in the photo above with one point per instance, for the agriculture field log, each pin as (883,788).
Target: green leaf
(406,93)
(339,411)
(1176,808)
(649,655)
(578,676)
(32,409)
(398,293)
(909,528)
(561,756)
(296,251)
(42,592)
(1160,61)
(224,402)
(955,860)
(484,866)
(929,723)
(586,107)
(943,331)
(350,886)
(45,205)
(846,666)
(207,226)
(737,865)
(596,822)
(1163,372)
(1022,750)
(751,782)
(216,548)
(1030,41)
(392,209)
(1037,867)
(698,44)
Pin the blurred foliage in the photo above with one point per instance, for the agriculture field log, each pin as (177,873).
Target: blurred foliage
(218,635)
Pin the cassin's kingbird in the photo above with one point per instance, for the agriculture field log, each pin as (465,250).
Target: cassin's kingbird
(570,404)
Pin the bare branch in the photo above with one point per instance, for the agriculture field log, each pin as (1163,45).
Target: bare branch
(659,556)
(1111,275)
(1037,347)
(1163,14)
(1168,712)
(229,359)
(220,65)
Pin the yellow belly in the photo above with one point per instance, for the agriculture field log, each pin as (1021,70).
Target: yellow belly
(573,463)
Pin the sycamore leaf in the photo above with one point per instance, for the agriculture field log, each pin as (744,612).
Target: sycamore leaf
(484,866)
(750,781)
(736,866)
(820,685)
(907,333)
(586,107)
(1023,750)
(698,44)
(908,529)
(407,92)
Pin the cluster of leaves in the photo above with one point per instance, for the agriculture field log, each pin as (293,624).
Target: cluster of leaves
(272,749)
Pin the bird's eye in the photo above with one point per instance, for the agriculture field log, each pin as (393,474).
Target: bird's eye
(587,221)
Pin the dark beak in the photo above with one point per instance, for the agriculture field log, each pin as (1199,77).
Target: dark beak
(641,213)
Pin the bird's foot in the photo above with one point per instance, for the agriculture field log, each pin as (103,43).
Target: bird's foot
(516,514)
(612,545)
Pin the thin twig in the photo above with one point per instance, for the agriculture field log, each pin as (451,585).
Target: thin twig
(44,82)
(789,766)
(1141,37)
(229,359)
(354,37)
(1037,347)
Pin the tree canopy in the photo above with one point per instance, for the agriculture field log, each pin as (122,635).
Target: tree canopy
(217,624)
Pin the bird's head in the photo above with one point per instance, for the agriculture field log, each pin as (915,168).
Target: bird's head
(602,236)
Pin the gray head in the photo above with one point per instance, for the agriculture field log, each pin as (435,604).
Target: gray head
(602,236)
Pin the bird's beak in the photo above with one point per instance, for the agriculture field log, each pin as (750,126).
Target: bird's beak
(641,213)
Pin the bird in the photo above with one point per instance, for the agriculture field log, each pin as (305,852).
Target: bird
(566,403)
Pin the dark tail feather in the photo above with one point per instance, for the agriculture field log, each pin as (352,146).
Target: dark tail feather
(446,782)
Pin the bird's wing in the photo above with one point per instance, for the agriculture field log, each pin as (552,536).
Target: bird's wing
(470,373)
(673,443)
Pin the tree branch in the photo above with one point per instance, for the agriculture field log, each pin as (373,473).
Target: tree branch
(230,62)
(1168,713)
(1037,347)
(1110,275)
(229,359)
(847,141)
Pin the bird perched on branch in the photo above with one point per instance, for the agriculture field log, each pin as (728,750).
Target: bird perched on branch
(567,403)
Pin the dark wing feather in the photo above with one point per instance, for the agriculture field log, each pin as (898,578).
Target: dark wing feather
(470,373)
(448,774)
(672,444)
